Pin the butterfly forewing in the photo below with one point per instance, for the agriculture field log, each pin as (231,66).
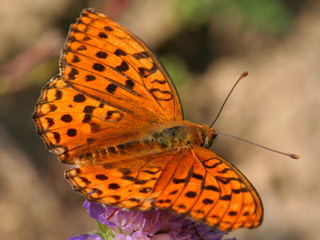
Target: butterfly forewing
(71,123)
(98,99)
(105,60)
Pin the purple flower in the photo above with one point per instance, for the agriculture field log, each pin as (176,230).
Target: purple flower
(144,225)
(86,237)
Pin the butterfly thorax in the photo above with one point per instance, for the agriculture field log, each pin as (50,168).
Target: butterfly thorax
(172,136)
(183,134)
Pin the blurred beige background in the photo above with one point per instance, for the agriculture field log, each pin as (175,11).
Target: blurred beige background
(205,45)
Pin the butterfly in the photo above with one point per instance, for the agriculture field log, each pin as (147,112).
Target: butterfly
(115,113)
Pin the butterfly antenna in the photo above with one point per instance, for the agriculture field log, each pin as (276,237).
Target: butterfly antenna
(244,74)
(295,156)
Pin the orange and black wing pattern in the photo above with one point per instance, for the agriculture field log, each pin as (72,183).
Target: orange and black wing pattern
(113,90)
(110,88)
(195,182)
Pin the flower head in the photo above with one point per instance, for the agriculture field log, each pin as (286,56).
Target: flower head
(145,225)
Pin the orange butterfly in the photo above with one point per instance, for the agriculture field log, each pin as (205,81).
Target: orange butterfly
(115,112)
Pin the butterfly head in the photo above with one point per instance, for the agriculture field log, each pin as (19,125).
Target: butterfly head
(208,134)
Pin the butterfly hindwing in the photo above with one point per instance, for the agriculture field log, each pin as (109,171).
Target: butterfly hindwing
(238,204)
(122,184)
(193,182)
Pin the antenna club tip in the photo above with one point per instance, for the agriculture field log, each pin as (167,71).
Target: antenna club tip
(294,156)
(244,74)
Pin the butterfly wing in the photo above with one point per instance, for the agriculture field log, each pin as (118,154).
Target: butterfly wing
(72,123)
(104,59)
(192,182)
(111,89)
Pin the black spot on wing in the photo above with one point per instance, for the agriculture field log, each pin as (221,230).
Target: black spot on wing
(122,67)
(79,98)
(108,28)
(197,176)
(232,213)
(102,35)
(85,180)
(141,181)
(212,188)
(75,59)
(87,118)
(191,194)
(141,55)
(227,180)
(116,197)
(50,122)
(173,192)
(159,81)
(118,115)
(207,201)
(58,94)
(113,186)
(111,88)
(73,73)
(86,38)
(129,178)
(130,84)
(89,109)
(82,48)
(56,136)
(224,170)
(125,171)
(177,180)
(246,213)
(161,95)
(211,163)
(134,200)
(119,52)
(71,132)
(145,72)
(52,107)
(66,118)
(152,172)
(90,77)
(181,206)
(226,197)
(101,54)
(101,177)
(98,67)
(240,190)
(94,127)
